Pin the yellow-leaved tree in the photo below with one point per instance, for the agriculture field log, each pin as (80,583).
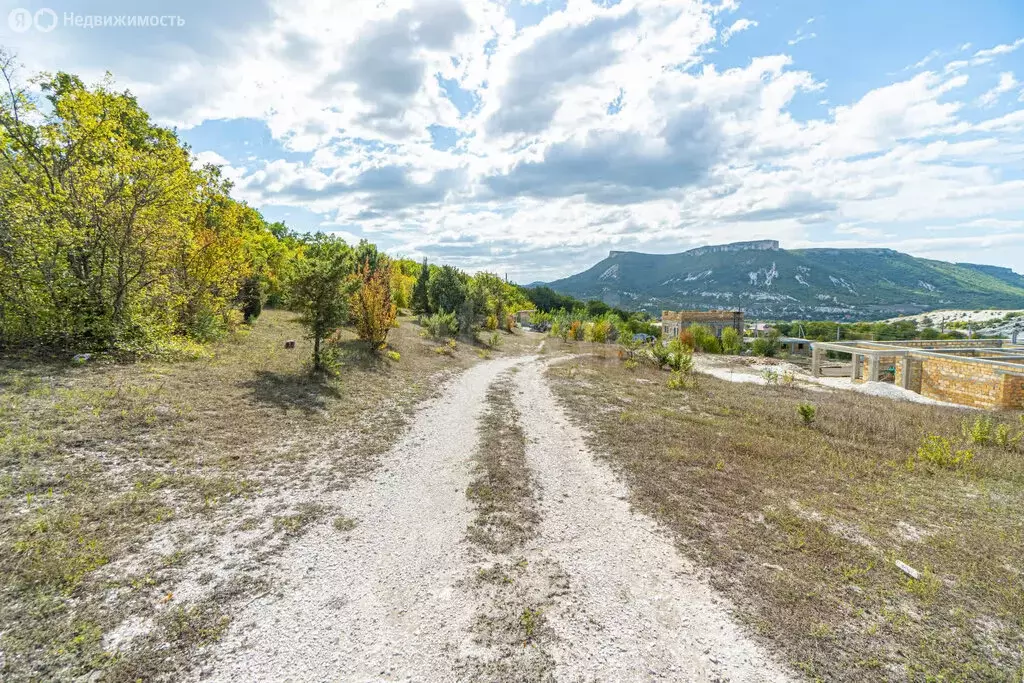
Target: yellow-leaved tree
(371,307)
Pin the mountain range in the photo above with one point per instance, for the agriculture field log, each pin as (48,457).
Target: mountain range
(766,281)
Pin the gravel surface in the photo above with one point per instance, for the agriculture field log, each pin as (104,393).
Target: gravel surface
(635,610)
(379,602)
(390,599)
(721,368)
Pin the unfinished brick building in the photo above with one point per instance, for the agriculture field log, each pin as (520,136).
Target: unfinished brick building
(674,322)
(984,373)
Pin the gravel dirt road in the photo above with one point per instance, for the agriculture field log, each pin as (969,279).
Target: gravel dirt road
(388,600)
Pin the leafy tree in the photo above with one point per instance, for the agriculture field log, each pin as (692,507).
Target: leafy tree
(108,235)
(321,288)
(767,346)
(548,300)
(732,343)
(371,305)
(446,289)
(420,298)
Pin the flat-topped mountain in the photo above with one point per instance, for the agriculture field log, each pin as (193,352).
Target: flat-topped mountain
(767,281)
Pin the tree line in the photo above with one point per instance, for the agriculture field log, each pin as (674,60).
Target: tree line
(111,238)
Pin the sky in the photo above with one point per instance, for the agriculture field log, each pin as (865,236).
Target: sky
(529,138)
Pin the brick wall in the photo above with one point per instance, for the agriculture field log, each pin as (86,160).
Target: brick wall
(1013,392)
(982,385)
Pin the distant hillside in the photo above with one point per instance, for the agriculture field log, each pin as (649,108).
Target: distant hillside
(769,282)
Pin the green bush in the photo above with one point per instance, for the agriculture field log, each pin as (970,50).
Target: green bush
(677,380)
(660,354)
(765,346)
(940,452)
(732,343)
(704,340)
(807,413)
(680,357)
(441,325)
(980,432)
(1005,439)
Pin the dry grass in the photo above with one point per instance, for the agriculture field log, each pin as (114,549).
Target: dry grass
(512,593)
(802,525)
(118,482)
(502,487)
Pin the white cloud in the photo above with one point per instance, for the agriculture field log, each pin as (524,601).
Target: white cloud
(736,27)
(1006,83)
(988,55)
(595,127)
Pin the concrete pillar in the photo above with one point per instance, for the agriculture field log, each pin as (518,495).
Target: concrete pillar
(855,373)
(815,362)
(905,372)
(873,369)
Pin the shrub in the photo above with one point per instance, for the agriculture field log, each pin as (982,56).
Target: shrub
(677,380)
(764,346)
(371,307)
(630,364)
(680,359)
(441,325)
(686,339)
(660,354)
(704,340)
(980,432)
(807,413)
(598,331)
(576,330)
(940,452)
(494,341)
(1004,439)
(770,377)
(394,355)
(732,343)
(250,296)
(491,323)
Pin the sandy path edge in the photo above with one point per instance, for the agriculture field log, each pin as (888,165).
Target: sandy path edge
(636,610)
(380,602)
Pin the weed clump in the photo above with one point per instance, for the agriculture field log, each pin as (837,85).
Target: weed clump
(940,452)
(807,413)
(980,432)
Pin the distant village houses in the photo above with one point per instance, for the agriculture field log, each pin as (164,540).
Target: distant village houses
(674,322)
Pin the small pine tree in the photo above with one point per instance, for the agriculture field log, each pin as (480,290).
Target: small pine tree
(420,300)
(320,290)
(250,295)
